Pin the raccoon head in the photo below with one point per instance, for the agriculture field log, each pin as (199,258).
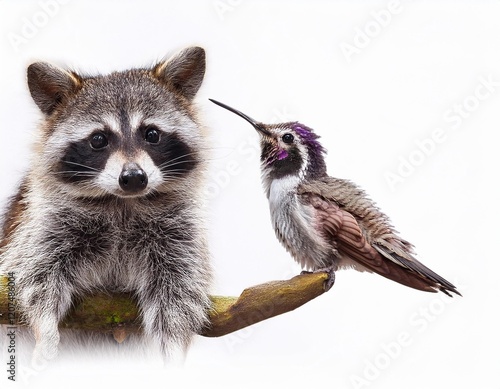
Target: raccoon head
(126,134)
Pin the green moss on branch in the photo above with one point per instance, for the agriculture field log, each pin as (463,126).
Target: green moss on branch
(118,313)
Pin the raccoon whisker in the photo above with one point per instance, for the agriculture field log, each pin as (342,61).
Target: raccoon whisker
(89,174)
(183,156)
(91,186)
(170,178)
(77,173)
(176,170)
(179,158)
(81,165)
(173,173)
(171,163)
(167,178)
(71,174)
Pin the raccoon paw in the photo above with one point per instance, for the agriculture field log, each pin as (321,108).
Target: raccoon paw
(46,346)
(42,355)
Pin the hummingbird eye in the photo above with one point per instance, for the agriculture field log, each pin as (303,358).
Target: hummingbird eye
(287,138)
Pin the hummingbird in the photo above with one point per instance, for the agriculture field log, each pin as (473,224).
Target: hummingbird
(329,223)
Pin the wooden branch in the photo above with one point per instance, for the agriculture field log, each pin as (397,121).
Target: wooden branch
(118,314)
(262,302)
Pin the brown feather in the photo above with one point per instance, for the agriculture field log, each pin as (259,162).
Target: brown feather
(361,232)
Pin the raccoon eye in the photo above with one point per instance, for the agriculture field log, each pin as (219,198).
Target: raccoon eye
(152,135)
(287,138)
(98,141)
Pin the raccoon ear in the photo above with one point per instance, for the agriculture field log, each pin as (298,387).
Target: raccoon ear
(50,86)
(183,72)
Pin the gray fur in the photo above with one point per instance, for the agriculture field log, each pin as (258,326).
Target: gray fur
(64,240)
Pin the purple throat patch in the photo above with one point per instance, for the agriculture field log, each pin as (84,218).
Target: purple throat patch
(282,154)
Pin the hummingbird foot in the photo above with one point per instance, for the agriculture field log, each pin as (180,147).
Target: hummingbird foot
(331,275)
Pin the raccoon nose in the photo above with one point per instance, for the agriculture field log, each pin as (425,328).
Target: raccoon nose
(133,179)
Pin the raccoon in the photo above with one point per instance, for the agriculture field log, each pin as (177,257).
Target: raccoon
(112,201)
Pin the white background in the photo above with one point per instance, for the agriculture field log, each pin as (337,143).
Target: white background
(420,63)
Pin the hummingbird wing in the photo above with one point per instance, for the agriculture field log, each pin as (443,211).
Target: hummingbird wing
(360,231)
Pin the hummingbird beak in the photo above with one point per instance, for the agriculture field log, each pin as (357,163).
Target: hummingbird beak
(257,125)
